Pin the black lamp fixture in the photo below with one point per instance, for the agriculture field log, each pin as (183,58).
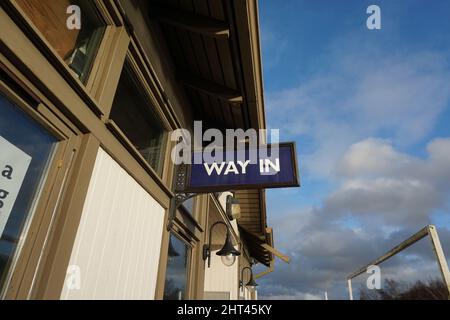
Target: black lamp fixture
(251,284)
(228,253)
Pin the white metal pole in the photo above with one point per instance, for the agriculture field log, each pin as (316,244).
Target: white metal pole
(442,262)
(350,292)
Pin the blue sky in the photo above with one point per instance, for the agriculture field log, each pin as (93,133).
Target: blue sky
(370,112)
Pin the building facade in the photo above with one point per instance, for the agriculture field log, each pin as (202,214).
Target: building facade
(89,94)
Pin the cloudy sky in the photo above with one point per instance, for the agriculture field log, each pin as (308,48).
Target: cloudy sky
(370,112)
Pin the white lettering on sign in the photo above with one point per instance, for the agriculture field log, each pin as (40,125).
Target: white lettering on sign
(14,165)
(239,167)
(244,166)
(267,164)
(215,167)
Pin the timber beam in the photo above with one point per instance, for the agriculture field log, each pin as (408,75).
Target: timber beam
(196,23)
(211,88)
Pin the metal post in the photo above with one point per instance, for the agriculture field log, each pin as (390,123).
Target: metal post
(442,262)
(430,231)
(350,292)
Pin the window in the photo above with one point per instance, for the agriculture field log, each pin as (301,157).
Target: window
(176,274)
(26,150)
(135,117)
(76,47)
(188,205)
(189,208)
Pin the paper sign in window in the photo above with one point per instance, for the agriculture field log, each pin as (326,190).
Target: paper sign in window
(14,165)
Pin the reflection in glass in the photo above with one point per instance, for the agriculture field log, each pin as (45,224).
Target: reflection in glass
(176,274)
(134,115)
(20,132)
(189,205)
(172,252)
(76,47)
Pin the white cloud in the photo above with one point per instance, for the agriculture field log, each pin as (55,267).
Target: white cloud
(392,201)
(399,189)
(358,93)
(400,96)
(375,157)
(391,197)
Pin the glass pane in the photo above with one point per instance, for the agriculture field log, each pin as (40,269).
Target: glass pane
(176,274)
(76,47)
(134,115)
(189,206)
(25,151)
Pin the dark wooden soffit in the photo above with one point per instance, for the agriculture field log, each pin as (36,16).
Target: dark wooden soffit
(193,22)
(222,75)
(253,211)
(216,52)
(211,88)
(256,245)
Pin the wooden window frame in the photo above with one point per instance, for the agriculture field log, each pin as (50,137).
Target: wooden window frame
(70,103)
(138,68)
(107,59)
(191,247)
(32,248)
(87,112)
(193,234)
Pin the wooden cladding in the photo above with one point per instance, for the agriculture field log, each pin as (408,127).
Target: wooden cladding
(193,22)
(206,64)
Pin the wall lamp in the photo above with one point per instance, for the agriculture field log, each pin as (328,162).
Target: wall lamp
(251,284)
(233,208)
(228,253)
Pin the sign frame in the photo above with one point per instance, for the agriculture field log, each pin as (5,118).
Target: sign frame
(183,177)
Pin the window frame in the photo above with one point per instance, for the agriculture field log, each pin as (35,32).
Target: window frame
(66,100)
(111,41)
(190,248)
(138,69)
(27,258)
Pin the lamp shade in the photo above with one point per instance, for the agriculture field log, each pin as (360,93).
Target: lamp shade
(251,284)
(228,248)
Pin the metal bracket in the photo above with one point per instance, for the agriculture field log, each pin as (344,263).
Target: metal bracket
(180,197)
(175,203)
(181,173)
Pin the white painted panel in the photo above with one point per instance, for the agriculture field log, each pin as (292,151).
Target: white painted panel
(216,295)
(118,242)
(220,278)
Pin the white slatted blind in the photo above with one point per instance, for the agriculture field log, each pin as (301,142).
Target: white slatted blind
(118,241)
